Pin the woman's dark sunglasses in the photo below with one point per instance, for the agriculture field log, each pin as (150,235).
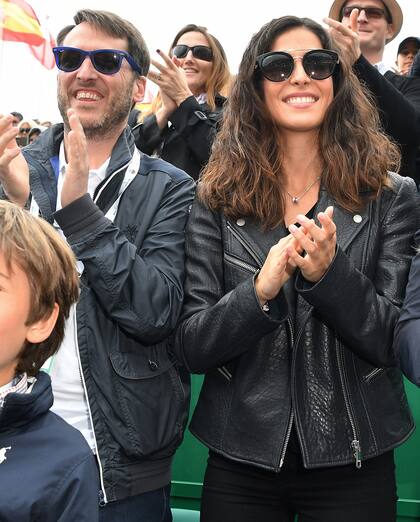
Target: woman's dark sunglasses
(105,61)
(277,66)
(201,52)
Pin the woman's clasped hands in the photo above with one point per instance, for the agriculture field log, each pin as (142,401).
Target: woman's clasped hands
(310,247)
(316,245)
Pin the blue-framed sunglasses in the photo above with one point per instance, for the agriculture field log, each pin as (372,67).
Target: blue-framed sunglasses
(105,61)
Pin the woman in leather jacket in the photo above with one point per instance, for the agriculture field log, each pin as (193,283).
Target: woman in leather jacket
(298,250)
(185,115)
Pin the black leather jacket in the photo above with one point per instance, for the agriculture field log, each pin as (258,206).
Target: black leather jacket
(187,142)
(325,363)
(131,296)
(398,100)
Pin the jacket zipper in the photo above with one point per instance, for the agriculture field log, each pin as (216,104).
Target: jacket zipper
(355,444)
(102,494)
(252,269)
(256,258)
(291,414)
(242,264)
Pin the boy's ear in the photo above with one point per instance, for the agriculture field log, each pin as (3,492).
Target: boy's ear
(41,330)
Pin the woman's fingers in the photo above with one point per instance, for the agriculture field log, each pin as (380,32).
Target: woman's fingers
(316,245)
(168,61)
(304,241)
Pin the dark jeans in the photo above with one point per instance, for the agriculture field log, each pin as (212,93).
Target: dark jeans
(235,492)
(152,506)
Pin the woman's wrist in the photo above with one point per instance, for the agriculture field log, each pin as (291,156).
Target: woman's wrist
(162,117)
(182,97)
(261,296)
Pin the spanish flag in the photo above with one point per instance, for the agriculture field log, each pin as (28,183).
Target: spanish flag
(19,23)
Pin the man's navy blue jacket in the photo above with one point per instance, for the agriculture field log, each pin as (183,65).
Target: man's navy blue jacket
(407,331)
(47,470)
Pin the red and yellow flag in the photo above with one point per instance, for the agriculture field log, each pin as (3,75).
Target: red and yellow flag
(19,23)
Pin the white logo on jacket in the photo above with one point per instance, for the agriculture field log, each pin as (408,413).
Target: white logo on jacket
(3,453)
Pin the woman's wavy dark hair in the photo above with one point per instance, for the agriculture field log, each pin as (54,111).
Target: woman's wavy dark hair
(220,78)
(244,174)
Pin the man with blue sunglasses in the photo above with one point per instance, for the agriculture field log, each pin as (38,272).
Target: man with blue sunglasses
(123,213)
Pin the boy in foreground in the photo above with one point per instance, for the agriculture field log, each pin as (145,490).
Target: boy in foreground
(47,470)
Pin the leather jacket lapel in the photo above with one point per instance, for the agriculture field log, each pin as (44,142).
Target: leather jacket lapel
(349,224)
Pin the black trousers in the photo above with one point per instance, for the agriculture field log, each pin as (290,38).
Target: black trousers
(234,492)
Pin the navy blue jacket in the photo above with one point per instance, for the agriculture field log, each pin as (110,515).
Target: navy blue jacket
(407,332)
(47,470)
(130,300)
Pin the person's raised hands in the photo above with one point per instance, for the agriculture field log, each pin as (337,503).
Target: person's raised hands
(14,171)
(171,78)
(317,245)
(346,37)
(76,179)
(276,270)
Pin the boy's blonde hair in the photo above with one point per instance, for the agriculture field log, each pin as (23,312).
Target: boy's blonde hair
(50,266)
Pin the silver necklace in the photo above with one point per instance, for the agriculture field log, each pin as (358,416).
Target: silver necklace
(296,199)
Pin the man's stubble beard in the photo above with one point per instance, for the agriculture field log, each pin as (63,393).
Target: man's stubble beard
(110,122)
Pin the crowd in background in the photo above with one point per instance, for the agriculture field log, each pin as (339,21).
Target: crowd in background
(155,136)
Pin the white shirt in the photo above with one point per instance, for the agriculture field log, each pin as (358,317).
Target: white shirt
(70,401)
(382,67)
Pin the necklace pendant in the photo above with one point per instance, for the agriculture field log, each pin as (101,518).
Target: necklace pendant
(295,200)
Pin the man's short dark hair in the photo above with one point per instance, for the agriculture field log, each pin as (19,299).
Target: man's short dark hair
(115,26)
(17,115)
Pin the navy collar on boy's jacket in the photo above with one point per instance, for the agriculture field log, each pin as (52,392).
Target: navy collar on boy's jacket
(20,409)
(42,156)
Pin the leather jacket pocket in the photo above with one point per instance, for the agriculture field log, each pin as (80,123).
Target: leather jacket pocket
(153,397)
(373,374)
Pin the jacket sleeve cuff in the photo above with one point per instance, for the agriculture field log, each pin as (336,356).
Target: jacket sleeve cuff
(278,307)
(330,280)
(152,130)
(361,65)
(81,216)
(188,112)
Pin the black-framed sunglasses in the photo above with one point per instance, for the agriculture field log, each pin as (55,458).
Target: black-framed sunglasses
(105,61)
(277,66)
(24,129)
(201,52)
(375,13)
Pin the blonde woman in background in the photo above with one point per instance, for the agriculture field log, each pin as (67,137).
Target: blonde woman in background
(193,82)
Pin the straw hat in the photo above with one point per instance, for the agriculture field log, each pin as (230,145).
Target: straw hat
(393,8)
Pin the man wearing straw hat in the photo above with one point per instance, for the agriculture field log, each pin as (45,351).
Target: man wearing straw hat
(361,29)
